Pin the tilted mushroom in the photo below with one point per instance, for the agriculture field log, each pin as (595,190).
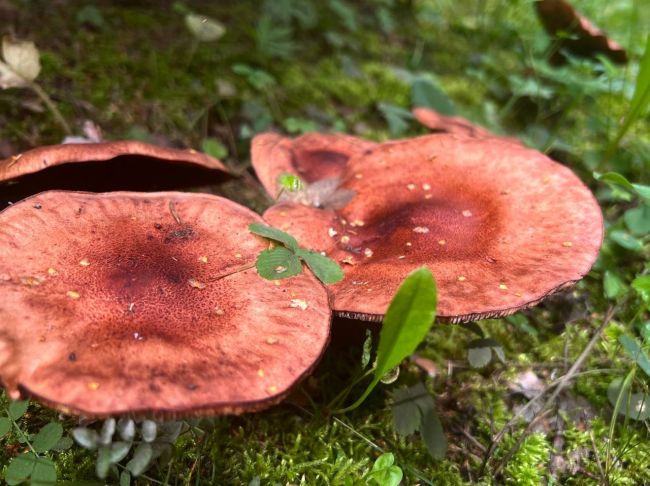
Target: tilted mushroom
(558,16)
(313,157)
(104,166)
(131,303)
(499,225)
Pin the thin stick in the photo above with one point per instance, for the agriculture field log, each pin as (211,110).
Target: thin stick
(51,106)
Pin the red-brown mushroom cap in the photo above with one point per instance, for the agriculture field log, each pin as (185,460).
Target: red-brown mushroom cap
(559,16)
(500,226)
(132,303)
(312,157)
(78,166)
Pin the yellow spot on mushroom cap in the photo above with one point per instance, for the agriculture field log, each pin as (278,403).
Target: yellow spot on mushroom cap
(503,286)
(462,278)
(84,262)
(52,272)
(203,259)
(260,372)
(272,389)
(567,244)
(299,304)
(442,242)
(93,385)
(368,252)
(345,239)
(73,294)
(271,340)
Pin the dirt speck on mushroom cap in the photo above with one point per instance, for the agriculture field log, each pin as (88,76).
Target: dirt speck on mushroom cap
(490,211)
(145,340)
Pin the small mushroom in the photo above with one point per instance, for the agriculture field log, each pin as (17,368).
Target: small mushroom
(490,218)
(105,166)
(558,16)
(313,157)
(150,326)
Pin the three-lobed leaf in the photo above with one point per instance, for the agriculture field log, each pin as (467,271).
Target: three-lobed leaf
(274,234)
(384,472)
(278,263)
(325,269)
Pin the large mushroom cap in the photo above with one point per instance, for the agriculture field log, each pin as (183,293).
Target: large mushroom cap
(558,16)
(313,157)
(129,303)
(119,165)
(500,226)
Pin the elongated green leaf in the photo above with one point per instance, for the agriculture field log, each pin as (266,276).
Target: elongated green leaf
(48,437)
(5,426)
(325,269)
(274,234)
(141,459)
(616,179)
(634,351)
(642,286)
(409,317)
(641,98)
(278,263)
(626,240)
(433,435)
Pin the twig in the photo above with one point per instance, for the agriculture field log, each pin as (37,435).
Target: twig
(563,381)
(51,106)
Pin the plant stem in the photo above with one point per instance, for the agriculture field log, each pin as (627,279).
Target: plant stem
(51,106)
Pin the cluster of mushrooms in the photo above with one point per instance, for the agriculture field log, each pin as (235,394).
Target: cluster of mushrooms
(148,303)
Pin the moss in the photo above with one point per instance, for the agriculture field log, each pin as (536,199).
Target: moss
(528,465)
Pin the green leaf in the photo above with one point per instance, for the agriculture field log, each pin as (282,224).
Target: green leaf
(408,319)
(214,148)
(20,468)
(278,263)
(103,463)
(64,444)
(631,405)
(641,98)
(18,408)
(613,285)
(425,92)
(204,28)
(47,437)
(141,459)
(398,118)
(626,240)
(637,220)
(44,473)
(125,478)
(5,426)
(86,438)
(325,269)
(408,406)
(384,473)
(642,286)
(479,352)
(274,234)
(126,429)
(634,351)
(618,180)
(149,430)
(473,327)
(119,450)
(367,350)
(433,435)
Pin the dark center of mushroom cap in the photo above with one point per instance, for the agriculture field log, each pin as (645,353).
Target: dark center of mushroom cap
(314,165)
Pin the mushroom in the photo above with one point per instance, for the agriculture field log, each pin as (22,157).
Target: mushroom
(313,157)
(558,16)
(499,225)
(105,166)
(132,303)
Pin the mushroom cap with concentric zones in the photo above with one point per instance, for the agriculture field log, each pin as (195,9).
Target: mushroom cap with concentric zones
(149,304)
(312,157)
(499,225)
(105,166)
